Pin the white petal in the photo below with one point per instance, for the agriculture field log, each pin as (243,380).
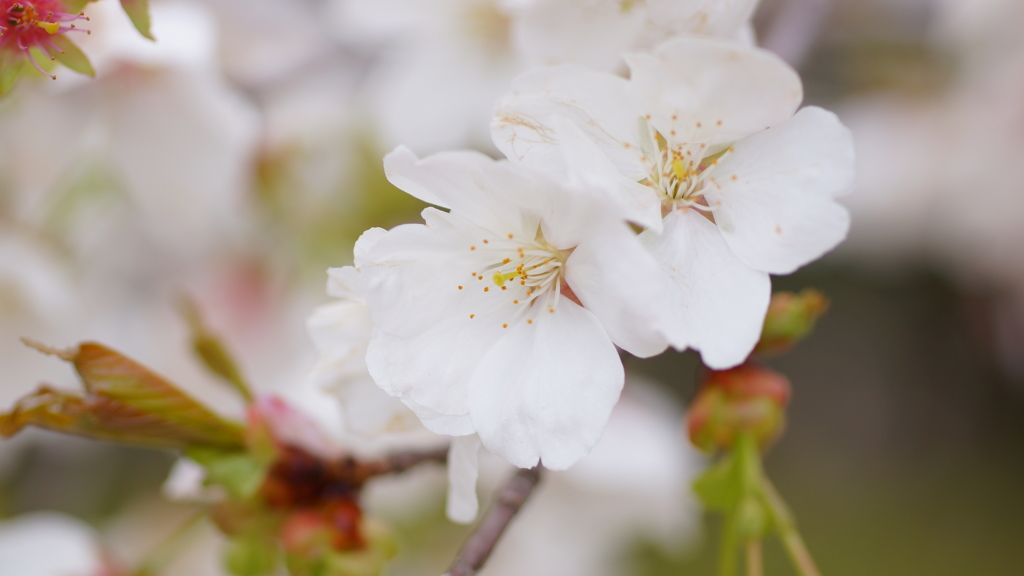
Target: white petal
(463,469)
(691,81)
(367,240)
(49,544)
(413,273)
(401,169)
(346,282)
(430,374)
(619,281)
(598,103)
(717,303)
(369,411)
(428,344)
(592,172)
(779,213)
(476,187)
(594,34)
(545,391)
(340,332)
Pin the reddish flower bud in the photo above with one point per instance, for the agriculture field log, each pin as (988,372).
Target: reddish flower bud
(790,319)
(746,398)
(306,533)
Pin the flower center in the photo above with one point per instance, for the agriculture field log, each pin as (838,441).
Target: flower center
(680,165)
(27,25)
(528,275)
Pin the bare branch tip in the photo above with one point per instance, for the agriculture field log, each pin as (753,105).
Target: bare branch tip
(67,354)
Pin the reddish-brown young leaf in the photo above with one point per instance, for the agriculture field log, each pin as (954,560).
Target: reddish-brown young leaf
(124,402)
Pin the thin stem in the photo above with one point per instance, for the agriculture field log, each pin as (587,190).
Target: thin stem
(399,462)
(791,540)
(755,557)
(481,542)
(727,547)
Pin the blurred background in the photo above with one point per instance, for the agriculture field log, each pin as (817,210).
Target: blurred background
(238,157)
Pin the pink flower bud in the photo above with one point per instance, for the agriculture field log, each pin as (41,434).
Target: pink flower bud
(747,398)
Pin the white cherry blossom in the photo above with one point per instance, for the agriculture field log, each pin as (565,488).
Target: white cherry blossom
(341,332)
(50,544)
(596,33)
(444,62)
(501,316)
(706,129)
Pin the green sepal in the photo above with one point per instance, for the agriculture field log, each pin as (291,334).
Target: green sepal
(75,6)
(11,64)
(71,56)
(252,555)
(214,354)
(240,473)
(720,487)
(138,12)
(381,546)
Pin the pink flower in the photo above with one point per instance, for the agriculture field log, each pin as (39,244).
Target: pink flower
(27,24)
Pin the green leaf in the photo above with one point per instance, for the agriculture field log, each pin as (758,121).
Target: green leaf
(124,402)
(11,64)
(138,12)
(71,56)
(720,487)
(240,473)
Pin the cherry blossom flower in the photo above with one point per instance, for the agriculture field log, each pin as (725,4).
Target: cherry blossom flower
(445,61)
(40,25)
(501,316)
(706,130)
(597,32)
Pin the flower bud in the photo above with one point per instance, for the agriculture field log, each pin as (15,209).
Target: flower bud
(312,547)
(747,398)
(790,318)
(306,533)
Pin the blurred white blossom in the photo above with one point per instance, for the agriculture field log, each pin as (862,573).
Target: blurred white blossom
(444,62)
(50,544)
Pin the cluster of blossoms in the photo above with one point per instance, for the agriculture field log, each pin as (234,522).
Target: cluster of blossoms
(499,320)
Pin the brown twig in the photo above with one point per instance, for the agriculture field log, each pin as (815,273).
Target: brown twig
(479,545)
(401,461)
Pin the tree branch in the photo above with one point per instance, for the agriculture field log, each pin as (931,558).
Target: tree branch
(479,545)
